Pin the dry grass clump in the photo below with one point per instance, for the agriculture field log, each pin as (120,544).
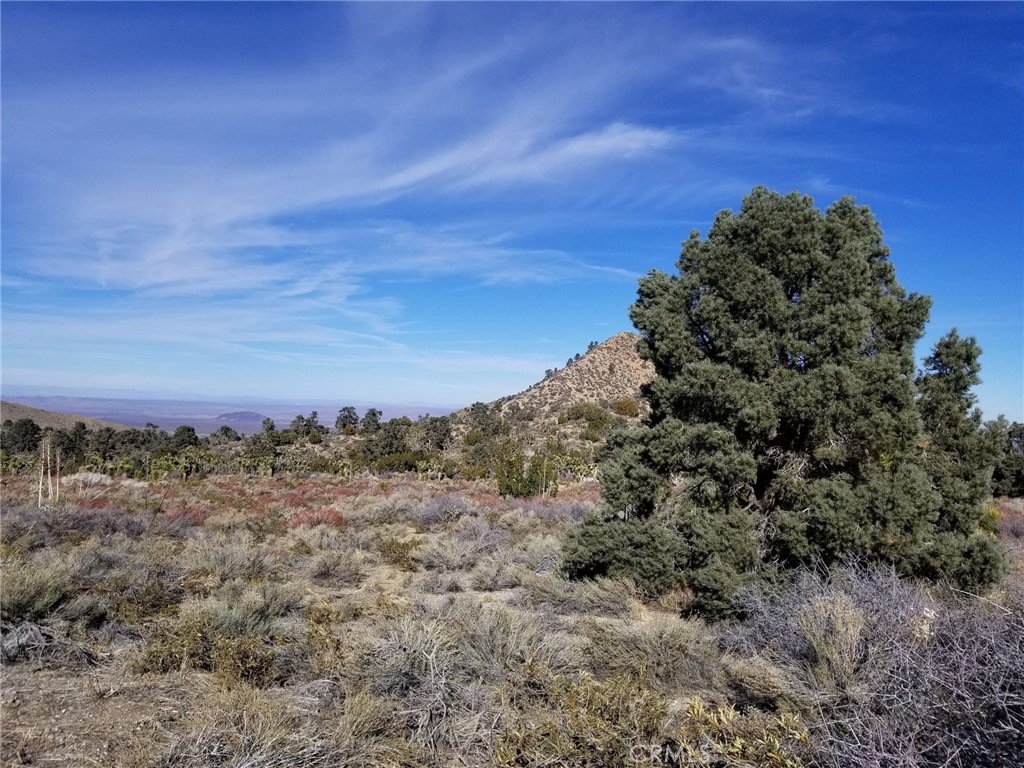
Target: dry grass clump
(416,660)
(177,644)
(448,554)
(441,583)
(497,643)
(338,567)
(397,507)
(453,669)
(245,728)
(508,568)
(596,597)
(473,539)
(327,555)
(232,632)
(237,608)
(673,654)
(497,572)
(233,638)
(33,588)
(214,559)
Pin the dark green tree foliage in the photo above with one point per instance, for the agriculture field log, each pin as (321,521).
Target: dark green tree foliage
(223,435)
(183,437)
(370,422)
(307,426)
(436,432)
(347,420)
(1008,477)
(72,444)
(392,437)
(21,436)
(521,478)
(786,422)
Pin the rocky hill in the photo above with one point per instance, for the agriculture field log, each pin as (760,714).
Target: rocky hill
(53,419)
(606,374)
(576,407)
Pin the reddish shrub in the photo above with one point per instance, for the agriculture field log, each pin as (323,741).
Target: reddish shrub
(99,502)
(190,515)
(311,517)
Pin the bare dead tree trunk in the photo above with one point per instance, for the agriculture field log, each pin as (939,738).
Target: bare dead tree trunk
(49,470)
(39,500)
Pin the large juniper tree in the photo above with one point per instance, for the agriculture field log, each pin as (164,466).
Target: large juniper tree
(787,425)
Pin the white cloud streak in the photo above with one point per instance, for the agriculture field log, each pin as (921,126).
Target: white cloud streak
(247,212)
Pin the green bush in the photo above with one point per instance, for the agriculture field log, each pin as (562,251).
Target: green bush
(786,415)
(645,551)
(627,407)
(398,552)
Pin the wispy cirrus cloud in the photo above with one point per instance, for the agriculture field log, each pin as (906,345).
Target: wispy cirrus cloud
(359,185)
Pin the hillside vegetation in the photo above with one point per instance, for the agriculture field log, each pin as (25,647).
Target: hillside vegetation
(51,419)
(793,556)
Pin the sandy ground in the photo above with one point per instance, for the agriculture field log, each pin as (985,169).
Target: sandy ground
(92,717)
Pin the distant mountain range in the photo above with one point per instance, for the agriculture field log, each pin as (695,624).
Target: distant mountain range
(52,419)
(606,374)
(205,416)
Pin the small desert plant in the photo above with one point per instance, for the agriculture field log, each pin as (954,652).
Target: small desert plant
(441,582)
(173,644)
(578,721)
(398,552)
(441,510)
(245,659)
(238,609)
(496,572)
(313,517)
(322,639)
(242,726)
(496,642)
(448,554)
(834,628)
(721,737)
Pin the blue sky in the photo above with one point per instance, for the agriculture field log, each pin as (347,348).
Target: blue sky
(416,203)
